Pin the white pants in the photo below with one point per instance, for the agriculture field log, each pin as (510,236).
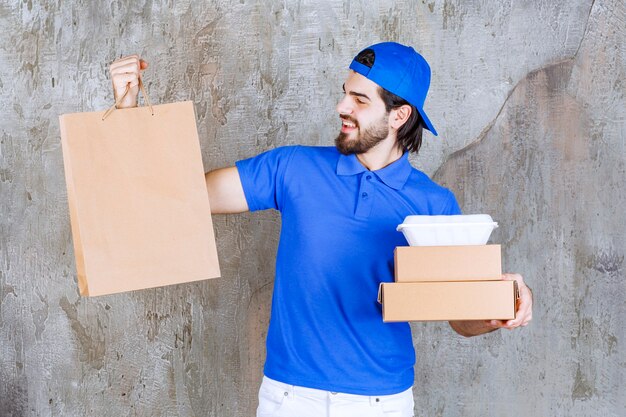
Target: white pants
(282,400)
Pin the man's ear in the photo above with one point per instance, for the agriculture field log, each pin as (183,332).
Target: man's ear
(399,116)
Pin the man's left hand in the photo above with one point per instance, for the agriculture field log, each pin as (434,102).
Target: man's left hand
(524,313)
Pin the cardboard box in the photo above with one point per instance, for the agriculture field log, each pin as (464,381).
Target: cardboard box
(448,263)
(429,301)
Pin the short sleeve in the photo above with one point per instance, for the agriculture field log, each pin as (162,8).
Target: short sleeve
(451,207)
(263,178)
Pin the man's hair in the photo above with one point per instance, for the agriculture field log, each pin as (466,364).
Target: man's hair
(410,133)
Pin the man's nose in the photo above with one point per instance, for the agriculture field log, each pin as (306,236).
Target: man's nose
(344,106)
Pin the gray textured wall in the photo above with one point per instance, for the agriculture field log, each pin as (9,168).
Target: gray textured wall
(529,99)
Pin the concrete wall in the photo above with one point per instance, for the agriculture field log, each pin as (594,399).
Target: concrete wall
(528,97)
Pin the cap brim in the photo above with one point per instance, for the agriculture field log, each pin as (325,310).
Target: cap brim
(427,122)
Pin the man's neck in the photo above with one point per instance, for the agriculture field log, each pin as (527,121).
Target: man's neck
(383,154)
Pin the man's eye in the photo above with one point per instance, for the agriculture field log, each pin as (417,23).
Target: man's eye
(358,100)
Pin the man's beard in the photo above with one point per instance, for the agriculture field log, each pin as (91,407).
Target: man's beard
(365,140)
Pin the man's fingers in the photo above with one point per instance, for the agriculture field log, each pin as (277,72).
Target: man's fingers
(125,74)
(509,276)
(524,306)
(125,61)
(128,64)
(120,81)
(523,310)
(128,68)
(523,316)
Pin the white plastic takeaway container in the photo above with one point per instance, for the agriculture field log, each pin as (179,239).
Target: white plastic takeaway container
(467,229)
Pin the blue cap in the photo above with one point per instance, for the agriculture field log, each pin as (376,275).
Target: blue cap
(400,70)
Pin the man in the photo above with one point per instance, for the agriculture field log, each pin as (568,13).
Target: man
(328,351)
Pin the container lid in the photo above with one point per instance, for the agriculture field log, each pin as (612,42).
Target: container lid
(458,218)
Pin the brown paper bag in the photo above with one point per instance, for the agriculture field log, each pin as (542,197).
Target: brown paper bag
(139,207)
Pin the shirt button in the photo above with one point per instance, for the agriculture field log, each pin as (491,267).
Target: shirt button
(364,195)
(369,177)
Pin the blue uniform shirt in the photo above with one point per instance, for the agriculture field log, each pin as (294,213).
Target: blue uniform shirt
(336,245)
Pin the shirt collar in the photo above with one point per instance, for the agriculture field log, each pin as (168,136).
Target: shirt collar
(393,175)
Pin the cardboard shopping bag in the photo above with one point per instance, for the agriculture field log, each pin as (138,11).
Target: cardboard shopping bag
(139,207)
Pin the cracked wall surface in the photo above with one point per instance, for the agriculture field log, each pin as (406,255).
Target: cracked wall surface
(528,97)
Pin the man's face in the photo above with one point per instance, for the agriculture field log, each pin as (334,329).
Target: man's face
(365,121)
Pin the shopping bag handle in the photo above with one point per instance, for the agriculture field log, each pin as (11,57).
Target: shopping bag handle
(119,100)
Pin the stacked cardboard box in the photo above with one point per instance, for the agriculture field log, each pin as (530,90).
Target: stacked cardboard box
(448,283)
